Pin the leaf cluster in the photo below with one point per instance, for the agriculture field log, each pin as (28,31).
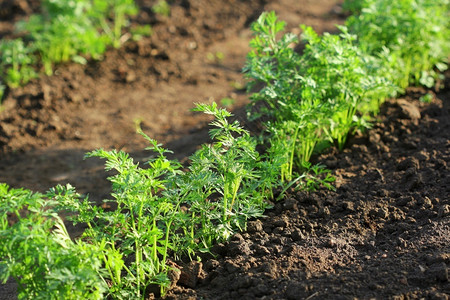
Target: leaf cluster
(161,8)
(38,253)
(410,37)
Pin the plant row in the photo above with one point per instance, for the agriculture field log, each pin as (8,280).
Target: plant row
(165,211)
(65,31)
(315,99)
(162,210)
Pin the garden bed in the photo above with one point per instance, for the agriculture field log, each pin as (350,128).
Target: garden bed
(385,231)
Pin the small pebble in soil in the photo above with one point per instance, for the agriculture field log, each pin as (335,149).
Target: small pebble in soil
(331,243)
(444,211)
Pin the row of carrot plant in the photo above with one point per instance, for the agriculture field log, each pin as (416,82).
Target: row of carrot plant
(336,85)
(67,31)
(166,211)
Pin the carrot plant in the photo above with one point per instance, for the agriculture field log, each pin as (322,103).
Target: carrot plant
(65,31)
(118,11)
(162,8)
(336,72)
(134,238)
(68,29)
(225,185)
(309,100)
(59,37)
(232,164)
(410,35)
(16,61)
(37,251)
(277,66)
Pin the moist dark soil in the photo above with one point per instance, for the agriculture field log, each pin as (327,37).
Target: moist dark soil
(383,234)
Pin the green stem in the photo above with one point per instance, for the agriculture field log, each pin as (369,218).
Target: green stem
(237,184)
(166,243)
(225,202)
(154,248)
(118,22)
(291,159)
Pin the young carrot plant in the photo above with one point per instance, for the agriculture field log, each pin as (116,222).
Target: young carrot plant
(16,61)
(135,236)
(162,8)
(62,32)
(413,33)
(37,252)
(65,31)
(309,100)
(68,29)
(232,164)
(277,66)
(336,72)
(118,11)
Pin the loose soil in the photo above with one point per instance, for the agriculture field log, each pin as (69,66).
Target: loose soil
(383,234)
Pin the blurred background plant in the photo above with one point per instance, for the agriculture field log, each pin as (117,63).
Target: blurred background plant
(161,8)
(65,31)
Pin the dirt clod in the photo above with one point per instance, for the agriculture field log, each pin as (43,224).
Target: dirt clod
(190,274)
(408,110)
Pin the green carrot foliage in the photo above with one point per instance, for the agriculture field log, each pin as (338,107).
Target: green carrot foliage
(64,31)
(38,253)
(311,99)
(412,37)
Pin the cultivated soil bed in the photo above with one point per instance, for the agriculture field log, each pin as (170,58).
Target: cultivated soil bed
(384,233)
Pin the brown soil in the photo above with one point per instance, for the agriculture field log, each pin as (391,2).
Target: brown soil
(385,231)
